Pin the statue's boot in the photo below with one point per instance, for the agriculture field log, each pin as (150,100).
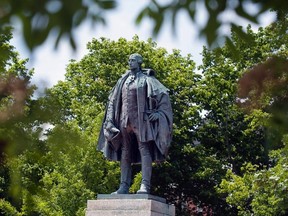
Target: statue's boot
(125,178)
(144,189)
(146,168)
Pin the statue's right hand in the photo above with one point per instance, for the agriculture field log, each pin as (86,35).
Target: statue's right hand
(110,130)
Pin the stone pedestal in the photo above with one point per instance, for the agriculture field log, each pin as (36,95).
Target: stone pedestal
(129,205)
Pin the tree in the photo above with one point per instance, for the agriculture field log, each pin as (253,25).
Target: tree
(43,171)
(15,93)
(88,82)
(191,172)
(226,129)
(261,190)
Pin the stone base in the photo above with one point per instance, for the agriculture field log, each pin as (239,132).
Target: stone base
(129,205)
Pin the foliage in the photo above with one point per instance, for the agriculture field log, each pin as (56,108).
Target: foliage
(62,18)
(159,11)
(262,190)
(15,91)
(226,130)
(57,17)
(47,164)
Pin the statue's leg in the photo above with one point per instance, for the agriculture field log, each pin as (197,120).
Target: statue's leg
(146,168)
(125,164)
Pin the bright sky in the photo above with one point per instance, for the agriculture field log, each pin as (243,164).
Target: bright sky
(50,64)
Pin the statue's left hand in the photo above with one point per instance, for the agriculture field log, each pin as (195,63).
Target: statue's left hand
(154,116)
(115,130)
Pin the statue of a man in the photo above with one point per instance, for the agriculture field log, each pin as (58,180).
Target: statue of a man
(137,126)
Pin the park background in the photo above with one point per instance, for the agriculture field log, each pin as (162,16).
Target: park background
(228,155)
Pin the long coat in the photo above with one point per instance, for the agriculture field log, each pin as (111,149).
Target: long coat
(152,96)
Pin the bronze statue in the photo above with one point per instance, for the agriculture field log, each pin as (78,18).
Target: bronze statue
(137,127)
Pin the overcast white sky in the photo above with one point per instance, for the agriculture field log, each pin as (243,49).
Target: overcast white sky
(50,64)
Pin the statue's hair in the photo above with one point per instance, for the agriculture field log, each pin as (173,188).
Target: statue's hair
(138,57)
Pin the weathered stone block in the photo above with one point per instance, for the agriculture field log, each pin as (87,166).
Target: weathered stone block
(129,205)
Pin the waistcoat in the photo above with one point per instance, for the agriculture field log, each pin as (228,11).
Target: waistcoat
(129,108)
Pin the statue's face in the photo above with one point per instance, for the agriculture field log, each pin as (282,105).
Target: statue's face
(133,64)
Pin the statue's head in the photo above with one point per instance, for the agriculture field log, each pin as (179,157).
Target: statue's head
(135,61)
(138,58)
